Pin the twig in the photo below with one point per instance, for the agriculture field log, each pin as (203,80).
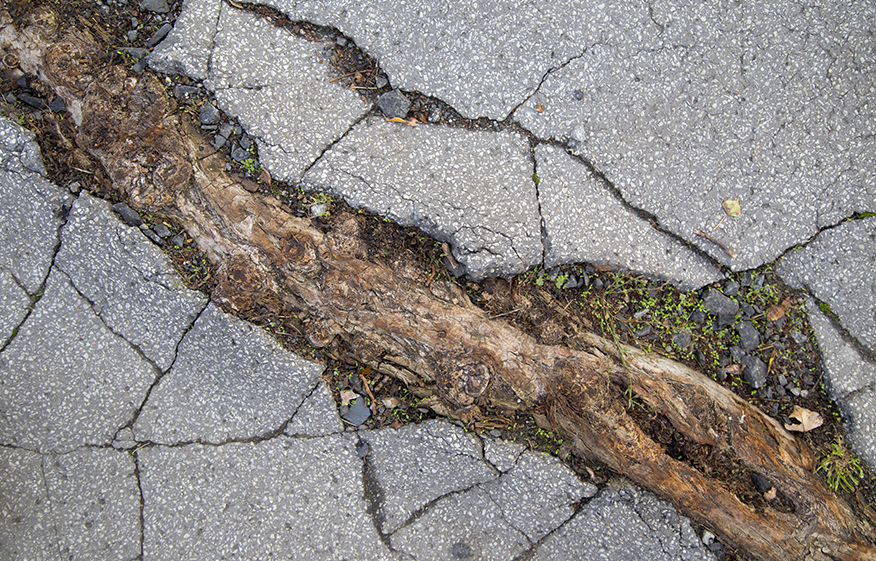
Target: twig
(371,395)
(504,313)
(726,249)
(450,259)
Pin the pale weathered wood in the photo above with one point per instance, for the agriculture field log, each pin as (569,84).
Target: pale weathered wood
(431,335)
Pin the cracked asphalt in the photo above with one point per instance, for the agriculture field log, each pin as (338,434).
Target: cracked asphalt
(137,420)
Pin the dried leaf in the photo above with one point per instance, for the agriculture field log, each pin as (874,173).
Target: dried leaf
(731,207)
(265,177)
(776,312)
(412,122)
(390,402)
(347,396)
(771,494)
(733,370)
(397,120)
(808,420)
(539,107)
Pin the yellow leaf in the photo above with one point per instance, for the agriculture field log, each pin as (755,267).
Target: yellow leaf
(731,207)
(397,120)
(808,420)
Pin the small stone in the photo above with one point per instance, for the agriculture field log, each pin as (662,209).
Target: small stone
(245,142)
(23,82)
(238,153)
(757,282)
(161,230)
(184,92)
(761,483)
(720,305)
(698,316)
(139,66)
(737,353)
(708,538)
(157,6)
(461,550)
(318,209)
(57,104)
(394,104)
(136,52)
(380,82)
(135,23)
(34,102)
(642,331)
(358,412)
(151,235)
(128,214)
(178,240)
(748,310)
(160,34)
(782,379)
(754,372)
(749,338)
(362,449)
(682,339)
(218,141)
(132,35)
(341,41)
(209,115)
(795,391)
(798,337)
(573,282)
(598,284)
(731,288)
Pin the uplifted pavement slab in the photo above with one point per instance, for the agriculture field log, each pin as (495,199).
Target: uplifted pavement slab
(31,209)
(584,222)
(127,279)
(471,188)
(230,381)
(317,415)
(289,498)
(837,268)
(697,104)
(188,46)
(14,302)
(851,382)
(81,505)
(483,58)
(95,502)
(279,87)
(416,464)
(65,379)
(626,524)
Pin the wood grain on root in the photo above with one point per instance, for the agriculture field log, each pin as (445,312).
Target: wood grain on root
(432,337)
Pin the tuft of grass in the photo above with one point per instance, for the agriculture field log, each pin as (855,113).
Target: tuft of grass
(840,467)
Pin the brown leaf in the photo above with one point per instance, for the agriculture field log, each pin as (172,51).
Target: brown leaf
(808,420)
(347,396)
(733,370)
(771,494)
(265,177)
(776,312)
(539,107)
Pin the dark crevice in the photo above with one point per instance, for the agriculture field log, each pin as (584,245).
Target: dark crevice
(374,496)
(866,353)
(142,504)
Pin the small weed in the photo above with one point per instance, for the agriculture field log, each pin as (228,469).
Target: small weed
(561,281)
(249,165)
(841,468)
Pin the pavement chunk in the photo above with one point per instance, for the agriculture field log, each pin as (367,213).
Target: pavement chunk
(465,525)
(837,268)
(187,48)
(471,188)
(317,416)
(230,381)
(417,464)
(31,209)
(724,102)
(95,503)
(484,59)
(127,279)
(27,527)
(275,84)
(288,498)
(584,222)
(67,380)
(537,495)
(851,382)
(624,524)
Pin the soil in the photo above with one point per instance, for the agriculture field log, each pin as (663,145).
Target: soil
(624,307)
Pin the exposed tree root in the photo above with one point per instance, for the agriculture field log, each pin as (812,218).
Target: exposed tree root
(429,334)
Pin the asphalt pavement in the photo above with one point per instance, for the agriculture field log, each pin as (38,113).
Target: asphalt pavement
(137,420)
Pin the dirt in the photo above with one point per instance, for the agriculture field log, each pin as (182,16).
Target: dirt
(541,303)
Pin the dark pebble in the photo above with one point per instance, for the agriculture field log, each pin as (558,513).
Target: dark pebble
(749,338)
(731,288)
(720,305)
(34,102)
(132,35)
(358,413)
(209,114)
(754,372)
(238,153)
(747,309)
(573,282)
(461,550)
(157,6)
(698,316)
(128,214)
(151,235)
(808,380)
(598,284)
(757,282)
(181,91)
(245,142)
(23,82)
(57,104)
(362,449)
(798,337)
(737,353)
(394,104)
(162,230)
(219,141)
(682,339)
(158,35)
(642,331)
(380,82)
(178,240)
(761,483)
(139,66)
(701,357)
(136,52)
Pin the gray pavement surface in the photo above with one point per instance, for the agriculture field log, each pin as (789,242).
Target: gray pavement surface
(137,420)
